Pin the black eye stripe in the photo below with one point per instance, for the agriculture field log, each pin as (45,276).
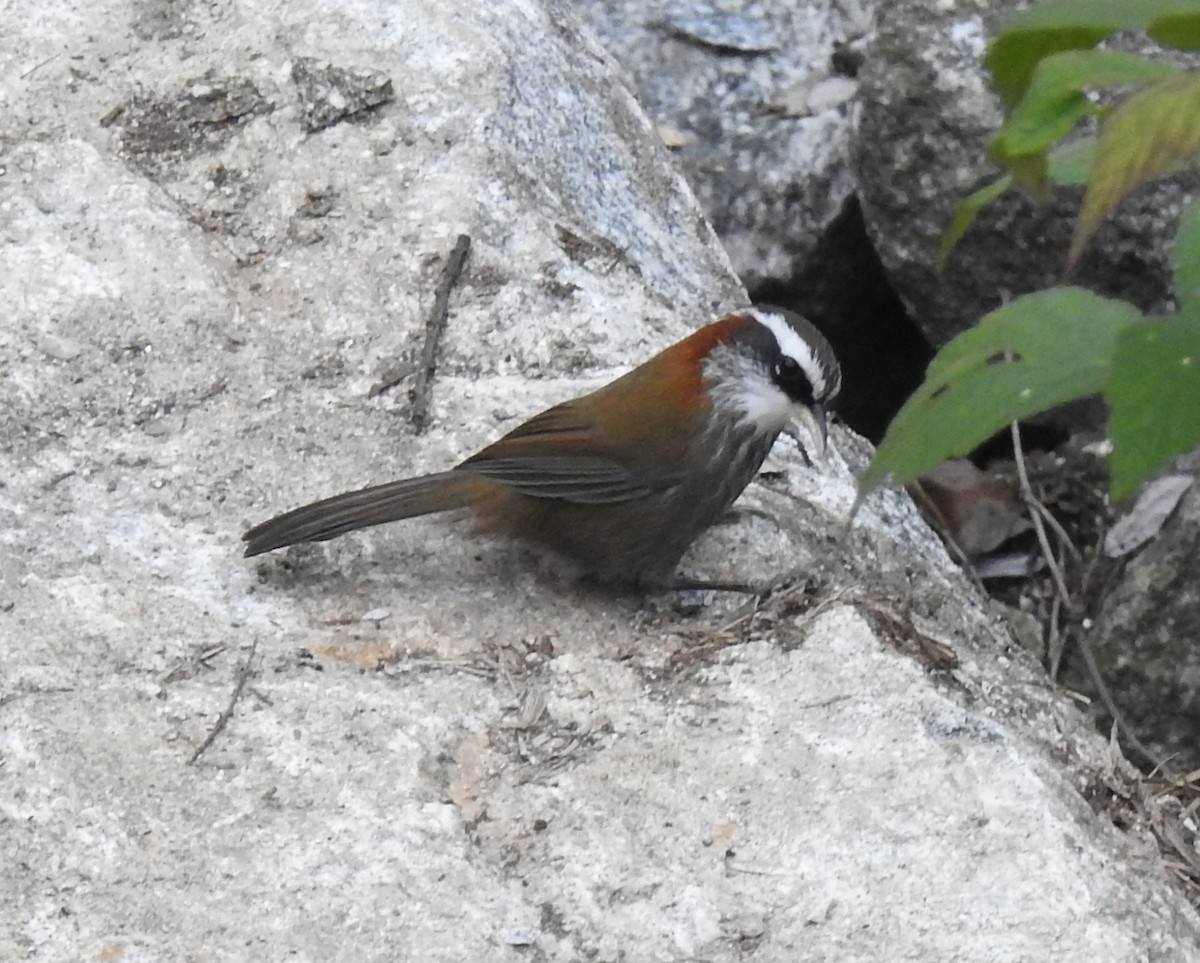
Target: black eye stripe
(808,372)
(790,377)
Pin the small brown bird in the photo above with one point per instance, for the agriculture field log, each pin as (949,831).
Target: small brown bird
(621,480)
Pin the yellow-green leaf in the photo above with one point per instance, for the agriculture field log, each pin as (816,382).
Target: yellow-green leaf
(1141,139)
(1031,172)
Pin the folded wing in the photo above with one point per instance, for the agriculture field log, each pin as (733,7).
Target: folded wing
(557,454)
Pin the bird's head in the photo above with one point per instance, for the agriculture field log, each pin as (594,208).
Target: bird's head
(775,372)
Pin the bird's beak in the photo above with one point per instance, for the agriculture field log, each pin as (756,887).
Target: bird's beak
(810,429)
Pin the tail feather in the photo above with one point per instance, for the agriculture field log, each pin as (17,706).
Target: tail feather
(350,511)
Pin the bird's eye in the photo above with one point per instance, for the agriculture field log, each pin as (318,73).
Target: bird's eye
(790,377)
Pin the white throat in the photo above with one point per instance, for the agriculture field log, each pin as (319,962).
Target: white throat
(740,387)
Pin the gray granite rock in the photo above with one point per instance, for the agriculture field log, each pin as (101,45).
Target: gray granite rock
(1147,637)
(758,98)
(435,748)
(927,115)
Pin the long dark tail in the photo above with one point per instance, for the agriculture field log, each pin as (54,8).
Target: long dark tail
(349,511)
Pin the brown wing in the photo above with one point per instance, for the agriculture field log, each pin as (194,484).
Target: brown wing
(559,454)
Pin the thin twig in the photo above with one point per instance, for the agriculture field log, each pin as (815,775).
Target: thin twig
(243,674)
(1061,532)
(824,703)
(186,667)
(38,66)
(1055,643)
(1079,637)
(433,331)
(1039,526)
(391,378)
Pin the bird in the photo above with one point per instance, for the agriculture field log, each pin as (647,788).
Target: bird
(622,480)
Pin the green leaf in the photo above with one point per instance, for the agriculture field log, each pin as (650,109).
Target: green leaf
(1035,352)
(1056,99)
(1153,393)
(1015,54)
(1185,256)
(1141,139)
(1031,172)
(964,216)
(1048,28)
(1177,30)
(1071,164)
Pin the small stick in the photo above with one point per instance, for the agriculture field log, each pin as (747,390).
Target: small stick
(36,67)
(391,378)
(1061,532)
(433,331)
(243,674)
(1056,645)
(1036,510)
(1039,526)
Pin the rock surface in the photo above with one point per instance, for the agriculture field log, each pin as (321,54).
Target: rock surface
(1145,638)
(758,99)
(441,749)
(926,116)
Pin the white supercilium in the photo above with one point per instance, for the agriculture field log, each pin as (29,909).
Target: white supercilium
(790,343)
